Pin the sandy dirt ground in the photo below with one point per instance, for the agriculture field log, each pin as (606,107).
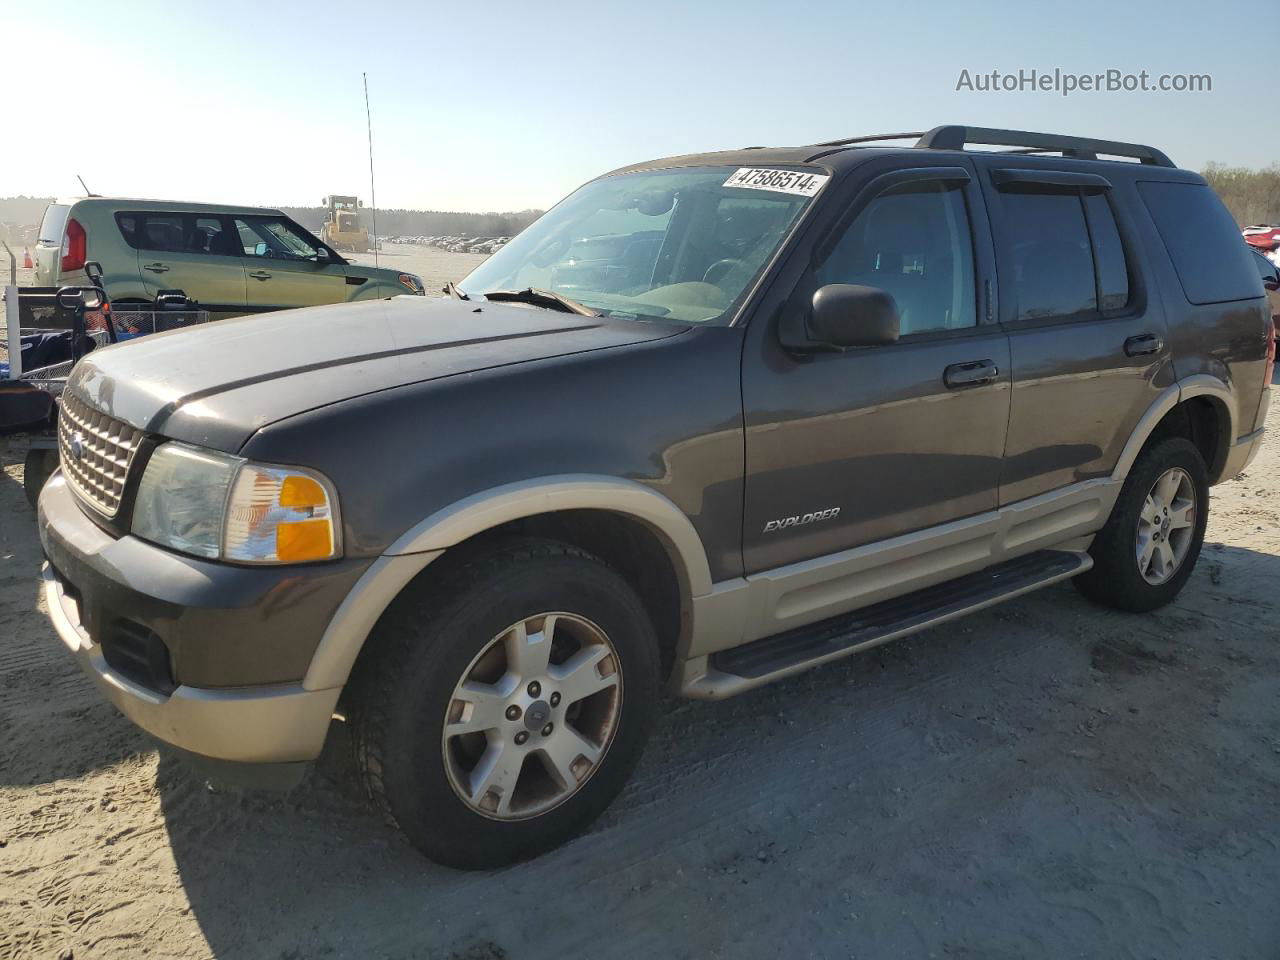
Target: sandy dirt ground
(1044,779)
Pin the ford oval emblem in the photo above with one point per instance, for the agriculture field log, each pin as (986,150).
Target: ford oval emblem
(77,445)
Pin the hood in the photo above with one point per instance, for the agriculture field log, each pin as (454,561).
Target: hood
(216,384)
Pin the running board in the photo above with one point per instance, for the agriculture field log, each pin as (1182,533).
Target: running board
(754,664)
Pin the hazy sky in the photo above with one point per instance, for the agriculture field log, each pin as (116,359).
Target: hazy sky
(496,105)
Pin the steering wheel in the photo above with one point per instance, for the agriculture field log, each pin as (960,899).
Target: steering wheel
(719,270)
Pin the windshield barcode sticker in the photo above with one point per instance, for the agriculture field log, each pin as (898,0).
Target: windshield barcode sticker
(779,181)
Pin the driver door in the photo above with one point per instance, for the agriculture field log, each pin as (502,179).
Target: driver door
(281,269)
(852,447)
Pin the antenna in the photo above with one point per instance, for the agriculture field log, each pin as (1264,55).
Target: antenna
(373,197)
(87,191)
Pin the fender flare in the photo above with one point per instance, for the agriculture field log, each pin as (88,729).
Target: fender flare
(1198,385)
(427,540)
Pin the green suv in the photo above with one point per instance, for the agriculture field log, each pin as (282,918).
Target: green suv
(233,260)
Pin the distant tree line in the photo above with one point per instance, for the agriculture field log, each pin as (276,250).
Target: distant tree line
(427,223)
(20,215)
(1252,196)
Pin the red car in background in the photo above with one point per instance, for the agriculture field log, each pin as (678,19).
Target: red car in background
(1270,274)
(1262,236)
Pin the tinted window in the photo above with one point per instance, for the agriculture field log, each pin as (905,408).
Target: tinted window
(912,241)
(1052,260)
(205,235)
(1267,271)
(176,233)
(1203,241)
(161,232)
(1108,253)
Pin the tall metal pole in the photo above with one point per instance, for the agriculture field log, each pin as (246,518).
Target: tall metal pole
(373,197)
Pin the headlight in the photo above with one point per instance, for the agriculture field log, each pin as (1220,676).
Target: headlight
(212,505)
(411,283)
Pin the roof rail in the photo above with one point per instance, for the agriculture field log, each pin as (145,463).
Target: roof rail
(1082,148)
(871,139)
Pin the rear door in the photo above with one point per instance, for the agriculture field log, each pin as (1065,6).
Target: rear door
(281,266)
(1088,345)
(192,252)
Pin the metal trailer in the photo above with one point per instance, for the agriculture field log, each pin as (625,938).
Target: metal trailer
(77,320)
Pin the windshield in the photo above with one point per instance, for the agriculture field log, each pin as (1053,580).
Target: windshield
(682,244)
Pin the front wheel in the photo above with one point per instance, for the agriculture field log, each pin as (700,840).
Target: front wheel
(1146,552)
(503,708)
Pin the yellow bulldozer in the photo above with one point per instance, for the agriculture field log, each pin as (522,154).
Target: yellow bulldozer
(342,229)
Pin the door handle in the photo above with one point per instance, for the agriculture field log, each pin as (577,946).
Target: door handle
(1143,344)
(260,275)
(971,374)
(156,267)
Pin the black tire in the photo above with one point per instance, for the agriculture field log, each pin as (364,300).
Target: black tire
(422,648)
(1116,580)
(36,471)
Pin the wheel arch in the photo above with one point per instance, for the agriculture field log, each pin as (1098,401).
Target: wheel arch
(546,505)
(1201,408)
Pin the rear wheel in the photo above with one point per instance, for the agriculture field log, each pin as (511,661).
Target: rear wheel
(1146,552)
(501,711)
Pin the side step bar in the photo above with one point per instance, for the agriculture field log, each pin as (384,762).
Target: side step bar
(762,661)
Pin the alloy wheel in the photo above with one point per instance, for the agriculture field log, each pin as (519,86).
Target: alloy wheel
(1166,526)
(532,717)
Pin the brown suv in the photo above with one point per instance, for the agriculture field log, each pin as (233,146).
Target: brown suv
(711,421)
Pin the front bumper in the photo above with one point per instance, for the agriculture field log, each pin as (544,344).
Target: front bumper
(91,575)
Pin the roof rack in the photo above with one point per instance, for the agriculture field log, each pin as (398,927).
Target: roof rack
(954,137)
(1082,148)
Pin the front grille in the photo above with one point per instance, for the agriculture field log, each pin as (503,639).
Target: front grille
(95,451)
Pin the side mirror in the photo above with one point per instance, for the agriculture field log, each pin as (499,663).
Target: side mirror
(321,256)
(260,249)
(849,315)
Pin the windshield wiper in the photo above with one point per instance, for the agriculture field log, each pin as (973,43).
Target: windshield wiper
(541,298)
(452,290)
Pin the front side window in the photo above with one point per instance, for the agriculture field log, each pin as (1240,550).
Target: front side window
(683,244)
(273,239)
(912,241)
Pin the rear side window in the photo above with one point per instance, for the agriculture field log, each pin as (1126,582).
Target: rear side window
(1204,243)
(1053,268)
(177,233)
(55,218)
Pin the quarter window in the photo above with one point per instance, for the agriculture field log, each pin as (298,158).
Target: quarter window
(913,242)
(1211,260)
